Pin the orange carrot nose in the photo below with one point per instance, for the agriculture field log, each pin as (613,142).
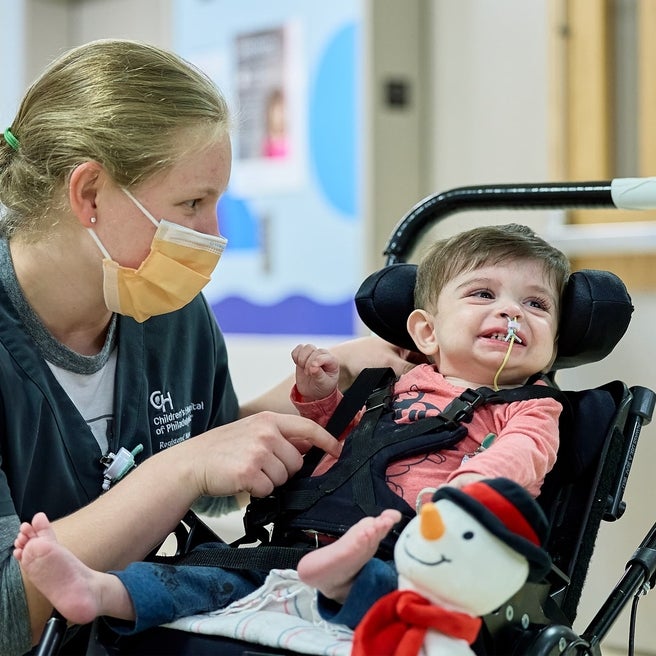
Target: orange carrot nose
(431,524)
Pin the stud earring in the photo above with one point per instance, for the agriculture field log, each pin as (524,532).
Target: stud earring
(92,219)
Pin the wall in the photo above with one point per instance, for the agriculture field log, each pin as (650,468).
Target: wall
(13,66)
(396,171)
(52,26)
(488,107)
(488,92)
(145,20)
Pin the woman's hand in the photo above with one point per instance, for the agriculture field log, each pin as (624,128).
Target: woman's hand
(254,454)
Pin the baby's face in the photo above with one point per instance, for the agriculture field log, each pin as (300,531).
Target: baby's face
(474,312)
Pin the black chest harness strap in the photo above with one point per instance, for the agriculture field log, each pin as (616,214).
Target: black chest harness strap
(355,486)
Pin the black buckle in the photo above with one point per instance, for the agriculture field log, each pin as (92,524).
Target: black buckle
(460,410)
(261,511)
(379,398)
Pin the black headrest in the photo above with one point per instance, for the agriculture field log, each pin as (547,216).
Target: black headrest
(595,312)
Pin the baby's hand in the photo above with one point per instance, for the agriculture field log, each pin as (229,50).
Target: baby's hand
(317,372)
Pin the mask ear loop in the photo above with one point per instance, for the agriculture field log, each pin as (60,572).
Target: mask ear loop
(511,337)
(148,215)
(103,250)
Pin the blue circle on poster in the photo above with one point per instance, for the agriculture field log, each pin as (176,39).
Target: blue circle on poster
(332,121)
(237,223)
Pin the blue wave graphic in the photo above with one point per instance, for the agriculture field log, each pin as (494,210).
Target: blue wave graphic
(296,315)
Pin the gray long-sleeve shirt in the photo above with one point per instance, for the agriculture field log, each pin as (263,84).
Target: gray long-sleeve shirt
(15,637)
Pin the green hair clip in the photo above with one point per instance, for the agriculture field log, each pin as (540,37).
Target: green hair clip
(11,139)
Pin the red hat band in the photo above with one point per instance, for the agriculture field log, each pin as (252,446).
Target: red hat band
(506,511)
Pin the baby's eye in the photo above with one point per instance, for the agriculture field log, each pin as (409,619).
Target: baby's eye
(482,293)
(539,303)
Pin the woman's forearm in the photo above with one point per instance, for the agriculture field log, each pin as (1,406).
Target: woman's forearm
(123,525)
(353,355)
(275,399)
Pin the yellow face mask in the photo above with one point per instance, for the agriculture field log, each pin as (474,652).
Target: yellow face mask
(178,266)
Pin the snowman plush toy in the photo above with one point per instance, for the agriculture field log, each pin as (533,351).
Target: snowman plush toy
(466,553)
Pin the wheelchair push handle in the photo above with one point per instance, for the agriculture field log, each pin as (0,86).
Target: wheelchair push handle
(643,403)
(619,193)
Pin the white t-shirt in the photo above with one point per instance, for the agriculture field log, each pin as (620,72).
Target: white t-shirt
(93,396)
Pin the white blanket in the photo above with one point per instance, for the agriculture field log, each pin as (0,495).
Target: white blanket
(282,613)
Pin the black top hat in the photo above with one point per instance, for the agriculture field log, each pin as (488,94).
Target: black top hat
(508,511)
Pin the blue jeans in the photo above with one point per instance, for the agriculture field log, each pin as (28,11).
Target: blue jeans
(163,593)
(375,579)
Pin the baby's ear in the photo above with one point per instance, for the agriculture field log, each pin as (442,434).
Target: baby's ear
(421,326)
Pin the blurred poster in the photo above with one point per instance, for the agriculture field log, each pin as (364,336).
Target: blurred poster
(260,58)
(290,71)
(270,93)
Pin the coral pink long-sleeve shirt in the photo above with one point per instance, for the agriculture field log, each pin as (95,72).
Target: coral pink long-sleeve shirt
(523,448)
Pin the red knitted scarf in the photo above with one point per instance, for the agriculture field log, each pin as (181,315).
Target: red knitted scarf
(396,625)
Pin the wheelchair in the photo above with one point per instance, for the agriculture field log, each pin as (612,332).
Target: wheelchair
(584,489)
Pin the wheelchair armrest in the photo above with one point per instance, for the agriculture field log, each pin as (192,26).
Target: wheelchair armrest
(640,413)
(535,606)
(554,640)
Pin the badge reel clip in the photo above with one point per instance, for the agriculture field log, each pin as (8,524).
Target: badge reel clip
(118,465)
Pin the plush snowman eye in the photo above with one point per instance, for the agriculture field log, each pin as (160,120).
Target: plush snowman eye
(468,535)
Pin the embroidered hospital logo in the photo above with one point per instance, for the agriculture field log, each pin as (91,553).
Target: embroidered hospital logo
(161,401)
(172,425)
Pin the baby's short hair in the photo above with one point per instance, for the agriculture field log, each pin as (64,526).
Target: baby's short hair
(483,246)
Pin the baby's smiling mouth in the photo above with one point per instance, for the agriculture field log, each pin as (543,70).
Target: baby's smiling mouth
(504,337)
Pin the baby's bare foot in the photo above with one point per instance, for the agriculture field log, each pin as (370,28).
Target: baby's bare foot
(332,569)
(74,589)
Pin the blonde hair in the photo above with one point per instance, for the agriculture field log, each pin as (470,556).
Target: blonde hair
(132,107)
(488,245)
